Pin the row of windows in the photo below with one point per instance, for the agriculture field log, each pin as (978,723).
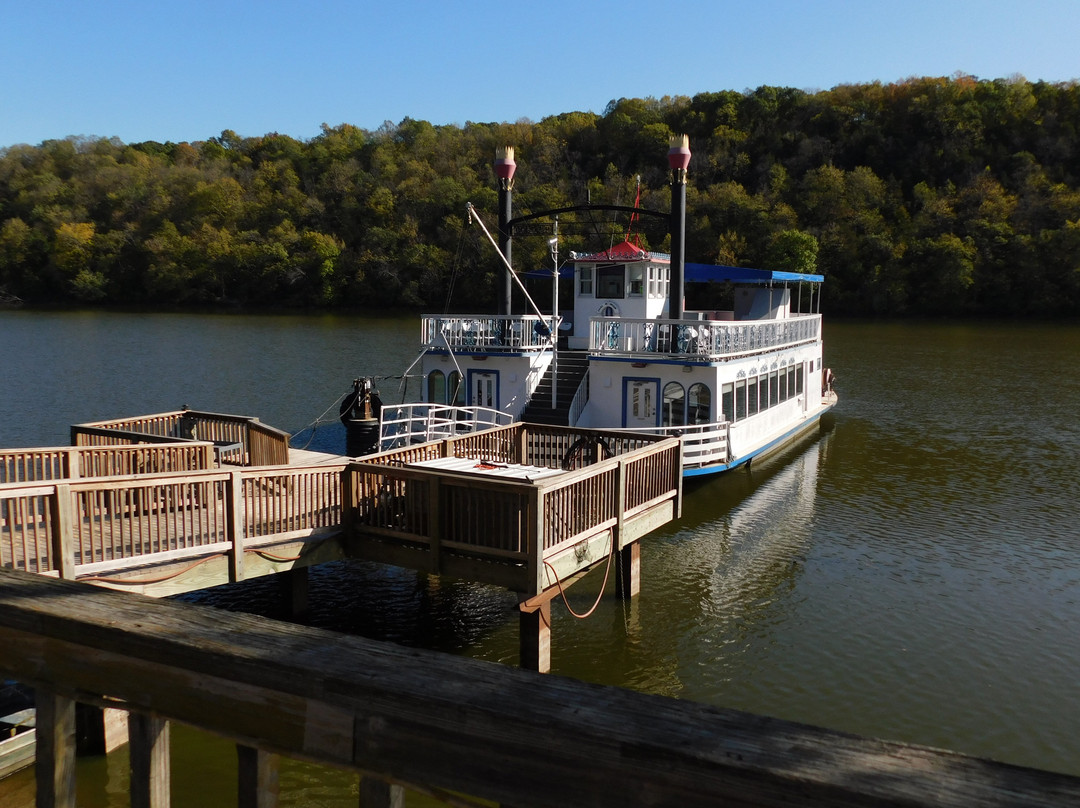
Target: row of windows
(750,396)
(686,407)
(611,281)
(445,389)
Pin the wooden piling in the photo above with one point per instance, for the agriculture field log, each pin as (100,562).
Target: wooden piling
(258,780)
(149,754)
(628,571)
(376,793)
(55,764)
(534,627)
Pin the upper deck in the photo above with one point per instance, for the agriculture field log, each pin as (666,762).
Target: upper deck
(486,333)
(699,340)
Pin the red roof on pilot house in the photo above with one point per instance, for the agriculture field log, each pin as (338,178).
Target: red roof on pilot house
(623,252)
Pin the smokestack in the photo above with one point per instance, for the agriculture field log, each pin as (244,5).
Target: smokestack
(504,170)
(678,159)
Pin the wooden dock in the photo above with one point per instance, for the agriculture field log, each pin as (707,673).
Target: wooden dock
(445,726)
(141,505)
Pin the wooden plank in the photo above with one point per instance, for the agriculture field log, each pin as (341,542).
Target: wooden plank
(17,752)
(487,730)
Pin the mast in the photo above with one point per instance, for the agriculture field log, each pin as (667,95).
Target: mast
(504,170)
(678,159)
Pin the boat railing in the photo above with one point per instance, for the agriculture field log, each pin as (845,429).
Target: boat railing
(406,424)
(581,398)
(701,339)
(488,333)
(703,444)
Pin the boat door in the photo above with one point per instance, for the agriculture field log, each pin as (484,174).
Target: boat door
(484,388)
(640,409)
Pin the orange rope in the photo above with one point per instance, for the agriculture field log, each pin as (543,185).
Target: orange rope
(270,556)
(603,586)
(134,581)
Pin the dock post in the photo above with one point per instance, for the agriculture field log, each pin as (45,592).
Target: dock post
(54,768)
(294,588)
(376,793)
(534,627)
(628,571)
(258,777)
(99,730)
(234,498)
(149,754)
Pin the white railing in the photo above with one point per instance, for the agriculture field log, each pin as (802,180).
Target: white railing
(581,398)
(703,444)
(704,339)
(406,424)
(488,333)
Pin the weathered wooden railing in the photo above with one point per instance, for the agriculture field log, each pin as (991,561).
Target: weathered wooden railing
(104,526)
(239,439)
(73,462)
(517,533)
(413,719)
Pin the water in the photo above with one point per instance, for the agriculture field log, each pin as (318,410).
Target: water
(909,574)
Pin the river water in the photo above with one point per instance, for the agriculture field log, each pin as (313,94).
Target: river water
(910,573)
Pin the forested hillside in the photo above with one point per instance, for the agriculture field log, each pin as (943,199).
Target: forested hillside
(926,196)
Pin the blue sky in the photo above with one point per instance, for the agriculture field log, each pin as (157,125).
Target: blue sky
(164,71)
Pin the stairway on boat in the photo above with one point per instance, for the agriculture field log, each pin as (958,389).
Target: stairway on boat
(573,365)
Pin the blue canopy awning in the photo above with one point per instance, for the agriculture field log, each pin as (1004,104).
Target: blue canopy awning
(709,272)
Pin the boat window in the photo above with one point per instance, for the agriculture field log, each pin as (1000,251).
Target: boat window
(436,387)
(752,396)
(611,281)
(727,401)
(653,281)
(674,405)
(799,380)
(740,399)
(637,283)
(455,389)
(791,385)
(698,404)
(774,389)
(585,281)
(783,386)
(665,279)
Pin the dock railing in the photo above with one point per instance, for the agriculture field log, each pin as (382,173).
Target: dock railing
(442,725)
(702,339)
(102,526)
(74,462)
(239,439)
(516,533)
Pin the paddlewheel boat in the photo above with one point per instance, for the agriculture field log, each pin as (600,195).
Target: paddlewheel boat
(734,384)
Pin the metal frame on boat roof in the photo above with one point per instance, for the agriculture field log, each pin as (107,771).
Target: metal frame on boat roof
(710,272)
(698,273)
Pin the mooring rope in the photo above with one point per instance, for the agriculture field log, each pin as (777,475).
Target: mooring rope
(603,586)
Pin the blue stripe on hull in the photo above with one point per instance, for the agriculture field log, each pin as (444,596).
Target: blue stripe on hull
(791,434)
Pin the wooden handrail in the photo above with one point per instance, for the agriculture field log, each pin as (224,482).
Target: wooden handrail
(89,526)
(486,730)
(241,439)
